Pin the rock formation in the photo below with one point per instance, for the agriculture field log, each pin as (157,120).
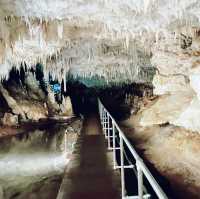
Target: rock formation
(176,82)
(28,101)
(10,119)
(166,128)
(66,107)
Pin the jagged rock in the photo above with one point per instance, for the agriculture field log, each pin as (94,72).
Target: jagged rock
(66,107)
(33,110)
(28,105)
(2,52)
(170,59)
(34,90)
(53,107)
(195,84)
(9,120)
(166,109)
(178,76)
(169,84)
(189,118)
(16,109)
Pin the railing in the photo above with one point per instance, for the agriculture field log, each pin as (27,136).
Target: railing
(114,134)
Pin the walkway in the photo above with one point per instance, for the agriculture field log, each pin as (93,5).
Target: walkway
(90,174)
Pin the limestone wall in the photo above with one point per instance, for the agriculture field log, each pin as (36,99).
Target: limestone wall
(177,82)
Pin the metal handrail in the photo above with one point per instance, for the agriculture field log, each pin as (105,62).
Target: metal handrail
(141,168)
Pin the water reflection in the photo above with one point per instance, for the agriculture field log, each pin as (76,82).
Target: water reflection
(30,158)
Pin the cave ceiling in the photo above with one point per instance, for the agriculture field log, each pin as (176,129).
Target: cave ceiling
(108,38)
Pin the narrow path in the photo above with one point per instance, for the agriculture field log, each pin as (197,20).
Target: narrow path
(90,174)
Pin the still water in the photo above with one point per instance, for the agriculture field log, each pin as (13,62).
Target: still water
(32,163)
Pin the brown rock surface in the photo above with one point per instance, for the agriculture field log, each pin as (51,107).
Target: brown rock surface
(9,119)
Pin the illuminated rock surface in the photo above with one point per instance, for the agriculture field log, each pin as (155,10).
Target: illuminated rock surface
(79,35)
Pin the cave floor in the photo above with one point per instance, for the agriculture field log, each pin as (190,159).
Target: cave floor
(90,173)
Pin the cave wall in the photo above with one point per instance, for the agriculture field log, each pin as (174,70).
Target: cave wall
(122,101)
(166,127)
(25,96)
(176,83)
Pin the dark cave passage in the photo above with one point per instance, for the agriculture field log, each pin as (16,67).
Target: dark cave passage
(84,100)
(119,100)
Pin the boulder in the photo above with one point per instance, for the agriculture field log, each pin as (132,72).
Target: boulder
(177,83)
(189,118)
(34,110)
(12,103)
(9,119)
(166,109)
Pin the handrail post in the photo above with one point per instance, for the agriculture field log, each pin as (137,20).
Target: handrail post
(108,128)
(106,124)
(114,144)
(122,166)
(140,181)
(104,119)
(101,110)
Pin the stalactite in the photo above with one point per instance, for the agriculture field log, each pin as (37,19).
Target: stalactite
(111,23)
(60,30)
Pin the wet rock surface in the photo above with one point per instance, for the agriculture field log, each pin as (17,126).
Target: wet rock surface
(24,98)
(10,119)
